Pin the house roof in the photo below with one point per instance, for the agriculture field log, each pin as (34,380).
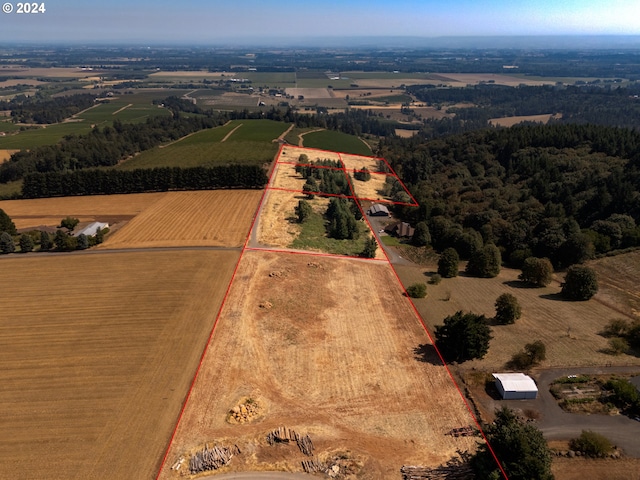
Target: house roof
(516,382)
(377,207)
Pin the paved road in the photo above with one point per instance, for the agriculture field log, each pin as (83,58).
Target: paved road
(260,476)
(377,224)
(556,424)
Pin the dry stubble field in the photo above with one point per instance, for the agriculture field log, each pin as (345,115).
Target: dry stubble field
(218,218)
(97,356)
(570,330)
(49,211)
(332,354)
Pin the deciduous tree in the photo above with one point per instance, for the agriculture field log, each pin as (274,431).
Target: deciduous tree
(448,263)
(463,336)
(508,309)
(520,447)
(6,224)
(581,283)
(537,271)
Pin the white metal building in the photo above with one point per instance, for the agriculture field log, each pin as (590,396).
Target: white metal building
(515,386)
(91,229)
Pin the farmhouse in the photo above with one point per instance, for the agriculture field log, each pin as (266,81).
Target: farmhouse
(378,210)
(400,229)
(515,386)
(91,229)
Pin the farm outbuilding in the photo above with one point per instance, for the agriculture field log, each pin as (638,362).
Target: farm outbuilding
(515,386)
(378,210)
(91,229)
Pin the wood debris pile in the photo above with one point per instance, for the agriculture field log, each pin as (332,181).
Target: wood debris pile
(245,412)
(455,469)
(286,435)
(463,432)
(212,458)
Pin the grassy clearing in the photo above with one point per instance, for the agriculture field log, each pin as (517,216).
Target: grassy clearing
(313,237)
(336,141)
(8,127)
(390,241)
(570,330)
(10,189)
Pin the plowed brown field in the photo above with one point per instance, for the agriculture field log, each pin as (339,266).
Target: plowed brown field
(205,218)
(334,353)
(49,211)
(97,354)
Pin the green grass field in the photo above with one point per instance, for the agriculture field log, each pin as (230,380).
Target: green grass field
(336,141)
(7,190)
(313,236)
(252,143)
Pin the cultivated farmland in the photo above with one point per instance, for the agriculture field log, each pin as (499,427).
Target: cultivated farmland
(337,141)
(252,142)
(97,356)
(49,211)
(328,347)
(203,218)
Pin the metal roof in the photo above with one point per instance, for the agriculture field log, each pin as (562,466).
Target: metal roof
(516,382)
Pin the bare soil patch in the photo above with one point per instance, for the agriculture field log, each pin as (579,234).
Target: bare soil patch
(570,330)
(97,356)
(5,155)
(340,355)
(205,218)
(405,133)
(49,211)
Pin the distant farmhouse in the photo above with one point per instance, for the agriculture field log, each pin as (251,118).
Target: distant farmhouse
(515,386)
(91,229)
(378,210)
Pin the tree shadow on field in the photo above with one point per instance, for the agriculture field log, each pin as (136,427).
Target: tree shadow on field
(558,297)
(427,353)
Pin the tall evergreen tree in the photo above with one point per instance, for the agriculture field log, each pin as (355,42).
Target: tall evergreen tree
(7,244)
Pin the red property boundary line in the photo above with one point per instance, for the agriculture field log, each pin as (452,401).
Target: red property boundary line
(215,324)
(294,252)
(346,171)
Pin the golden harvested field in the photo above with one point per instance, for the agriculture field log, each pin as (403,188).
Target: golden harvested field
(333,354)
(511,121)
(219,218)
(48,72)
(619,281)
(6,154)
(596,469)
(372,189)
(97,356)
(568,329)
(274,227)
(358,162)
(49,211)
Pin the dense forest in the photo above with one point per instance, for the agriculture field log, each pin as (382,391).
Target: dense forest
(603,105)
(106,182)
(565,192)
(45,110)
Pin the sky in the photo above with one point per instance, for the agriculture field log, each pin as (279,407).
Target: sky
(245,21)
